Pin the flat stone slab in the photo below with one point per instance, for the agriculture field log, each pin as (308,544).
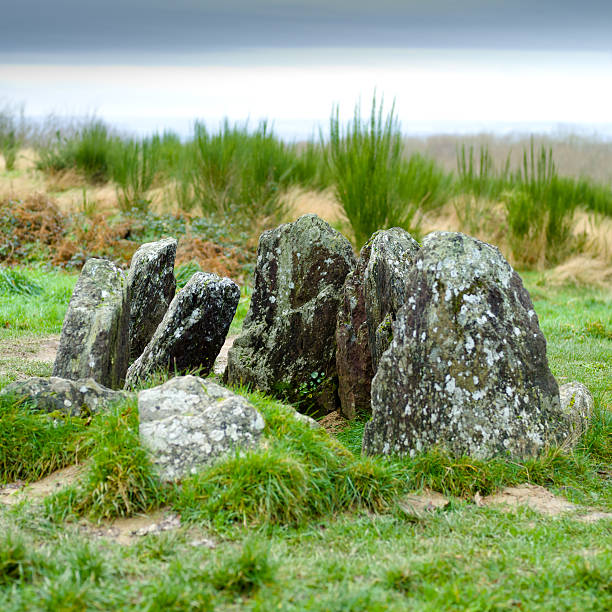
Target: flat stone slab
(70,397)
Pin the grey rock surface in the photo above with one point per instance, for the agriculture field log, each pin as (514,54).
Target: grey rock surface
(193,329)
(70,397)
(151,287)
(392,254)
(467,365)
(188,422)
(287,346)
(95,340)
(353,355)
(577,406)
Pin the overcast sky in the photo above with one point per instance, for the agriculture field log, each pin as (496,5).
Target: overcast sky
(444,61)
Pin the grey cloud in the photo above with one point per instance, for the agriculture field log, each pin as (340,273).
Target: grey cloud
(124,27)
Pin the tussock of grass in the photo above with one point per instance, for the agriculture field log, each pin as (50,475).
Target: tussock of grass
(120,480)
(35,444)
(17,560)
(298,475)
(245,571)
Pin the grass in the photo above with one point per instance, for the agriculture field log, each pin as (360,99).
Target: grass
(33,445)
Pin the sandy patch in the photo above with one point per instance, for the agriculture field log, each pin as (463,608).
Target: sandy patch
(31,349)
(541,500)
(35,491)
(418,505)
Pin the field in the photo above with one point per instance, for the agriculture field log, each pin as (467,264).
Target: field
(305,523)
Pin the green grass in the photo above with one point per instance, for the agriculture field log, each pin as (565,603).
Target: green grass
(32,445)
(304,523)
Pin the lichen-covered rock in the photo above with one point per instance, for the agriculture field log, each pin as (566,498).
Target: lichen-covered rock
(193,329)
(70,397)
(467,365)
(95,339)
(392,254)
(151,287)
(287,346)
(188,422)
(353,355)
(577,406)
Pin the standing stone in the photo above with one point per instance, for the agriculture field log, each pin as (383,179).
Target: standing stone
(193,329)
(151,287)
(95,339)
(392,255)
(467,365)
(287,345)
(577,406)
(188,422)
(353,356)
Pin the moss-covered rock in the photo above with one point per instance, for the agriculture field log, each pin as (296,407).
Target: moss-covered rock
(392,254)
(95,339)
(287,346)
(151,287)
(467,365)
(192,331)
(353,356)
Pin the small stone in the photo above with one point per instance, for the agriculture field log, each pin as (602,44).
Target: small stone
(188,422)
(95,340)
(193,330)
(577,406)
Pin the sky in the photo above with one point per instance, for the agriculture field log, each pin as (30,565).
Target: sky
(449,66)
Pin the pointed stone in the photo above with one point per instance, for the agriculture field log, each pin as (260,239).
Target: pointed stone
(151,287)
(287,346)
(192,331)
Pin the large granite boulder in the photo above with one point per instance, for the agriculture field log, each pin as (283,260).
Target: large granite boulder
(577,406)
(353,356)
(188,422)
(392,255)
(193,329)
(151,287)
(95,339)
(287,346)
(467,365)
(70,397)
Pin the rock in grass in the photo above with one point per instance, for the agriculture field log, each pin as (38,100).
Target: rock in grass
(577,406)
(287,346)
(353,356)
(193,329)
(95,339)
(151,287)
(70,397)
(392,254)
(467,365)
(188,422)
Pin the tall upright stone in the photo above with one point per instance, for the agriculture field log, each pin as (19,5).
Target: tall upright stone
(353,355)
(193,330)
(392,255)
(95,338)
(287,345)
(467,365)
(151,287)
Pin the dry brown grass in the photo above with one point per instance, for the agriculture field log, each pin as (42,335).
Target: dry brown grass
(573,155)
